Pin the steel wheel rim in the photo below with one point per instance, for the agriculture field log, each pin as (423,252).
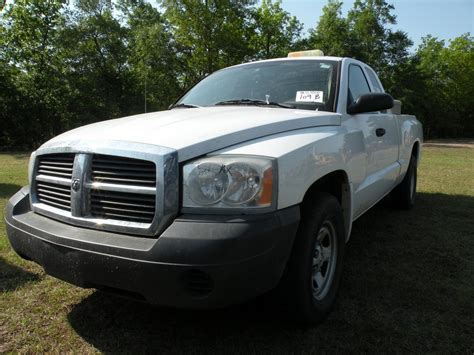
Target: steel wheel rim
(323,260)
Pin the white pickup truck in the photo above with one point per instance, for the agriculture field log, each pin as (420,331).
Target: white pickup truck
(249,183)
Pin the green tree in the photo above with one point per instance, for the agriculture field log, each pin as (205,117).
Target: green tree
(30,38)
(13,132)
(365,34)
(368,21)
(448,71)
(332,34)
(276,32)
(152,55)
(95,48)
(459,59)
(64,65)
(373,41)
(209,34)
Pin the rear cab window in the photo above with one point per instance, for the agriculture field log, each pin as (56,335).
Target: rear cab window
(373,80)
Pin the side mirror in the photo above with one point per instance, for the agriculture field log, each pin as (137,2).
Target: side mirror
(370,103)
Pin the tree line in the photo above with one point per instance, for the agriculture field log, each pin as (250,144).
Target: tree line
(65,64)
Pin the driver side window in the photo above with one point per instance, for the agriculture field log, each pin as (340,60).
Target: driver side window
(357,84)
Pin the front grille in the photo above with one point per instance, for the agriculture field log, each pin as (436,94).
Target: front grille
(130,207)
(54,195)
(111,188)
(56,165)
(124,171)
(126,206)
(53,180)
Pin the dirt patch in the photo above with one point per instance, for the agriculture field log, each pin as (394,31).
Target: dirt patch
(450,143)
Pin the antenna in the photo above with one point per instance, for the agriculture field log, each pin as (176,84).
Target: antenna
(146,77)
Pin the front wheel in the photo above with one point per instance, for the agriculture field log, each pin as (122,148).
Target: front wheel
(314,270)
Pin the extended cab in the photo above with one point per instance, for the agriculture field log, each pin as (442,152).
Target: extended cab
(250,182)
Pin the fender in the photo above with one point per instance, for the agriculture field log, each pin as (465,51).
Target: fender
(411,133)
(306,156)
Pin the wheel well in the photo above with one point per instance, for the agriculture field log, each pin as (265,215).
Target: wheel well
(416,150)
(332,183)
(335,183)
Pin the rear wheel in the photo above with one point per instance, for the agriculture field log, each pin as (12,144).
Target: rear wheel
(403,195)
(314,270)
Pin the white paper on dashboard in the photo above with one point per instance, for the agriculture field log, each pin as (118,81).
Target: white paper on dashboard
(309,96)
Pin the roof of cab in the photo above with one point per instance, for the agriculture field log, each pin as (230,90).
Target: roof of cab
(335,59)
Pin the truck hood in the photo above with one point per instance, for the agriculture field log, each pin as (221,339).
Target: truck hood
(197,131)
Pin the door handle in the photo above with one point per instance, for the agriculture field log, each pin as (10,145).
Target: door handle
(380,132)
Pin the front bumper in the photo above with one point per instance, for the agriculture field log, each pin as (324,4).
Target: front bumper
(199,261)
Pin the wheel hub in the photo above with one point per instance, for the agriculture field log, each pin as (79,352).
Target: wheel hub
(318,255)
(324,260)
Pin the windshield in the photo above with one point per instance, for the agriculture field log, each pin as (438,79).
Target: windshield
(302,84)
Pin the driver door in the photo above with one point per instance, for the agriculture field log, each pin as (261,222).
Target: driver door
(379,130)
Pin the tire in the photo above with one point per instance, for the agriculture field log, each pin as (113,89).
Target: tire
(309,287)
(403,196)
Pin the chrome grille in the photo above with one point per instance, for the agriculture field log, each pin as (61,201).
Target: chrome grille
(113,186)
(126,171)
(53,180)
(56,165)
(122,206)
(54,195)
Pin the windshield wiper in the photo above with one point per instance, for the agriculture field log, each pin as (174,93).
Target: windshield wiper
(253,102)
(183,106)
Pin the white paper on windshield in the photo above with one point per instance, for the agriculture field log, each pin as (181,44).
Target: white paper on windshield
(309,96)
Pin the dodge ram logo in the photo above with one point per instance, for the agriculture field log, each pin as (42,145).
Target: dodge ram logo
(76,185)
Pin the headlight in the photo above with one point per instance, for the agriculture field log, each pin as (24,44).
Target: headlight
(229,182)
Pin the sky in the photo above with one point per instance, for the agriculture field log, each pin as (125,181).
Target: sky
(444,19)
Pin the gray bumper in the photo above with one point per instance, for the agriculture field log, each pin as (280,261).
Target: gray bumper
(199,261)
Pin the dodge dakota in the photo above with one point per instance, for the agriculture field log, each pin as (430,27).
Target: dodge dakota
(250,182)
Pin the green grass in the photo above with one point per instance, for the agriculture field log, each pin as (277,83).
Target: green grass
(408,286)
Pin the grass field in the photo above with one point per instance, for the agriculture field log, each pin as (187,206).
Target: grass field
(408,286)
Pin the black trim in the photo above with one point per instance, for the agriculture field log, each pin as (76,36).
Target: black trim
(371,102)
(338,85)
(199,261)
